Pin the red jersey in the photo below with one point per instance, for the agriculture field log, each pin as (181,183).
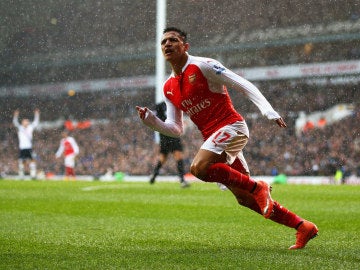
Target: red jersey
(201,92)
(68,146)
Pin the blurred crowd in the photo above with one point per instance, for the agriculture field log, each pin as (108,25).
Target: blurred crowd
(88,45)
(122,143)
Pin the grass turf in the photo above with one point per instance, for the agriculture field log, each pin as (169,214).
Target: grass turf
(93,225)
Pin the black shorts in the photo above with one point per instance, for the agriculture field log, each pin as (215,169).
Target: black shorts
(25,154)
(169,144)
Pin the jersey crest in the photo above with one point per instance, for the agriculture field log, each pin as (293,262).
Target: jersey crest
(192,78)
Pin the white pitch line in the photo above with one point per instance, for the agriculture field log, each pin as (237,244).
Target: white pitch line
(91,188)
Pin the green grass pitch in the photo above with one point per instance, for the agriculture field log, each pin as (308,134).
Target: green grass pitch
(127,225)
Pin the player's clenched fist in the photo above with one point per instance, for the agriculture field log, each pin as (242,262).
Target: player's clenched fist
(141,112)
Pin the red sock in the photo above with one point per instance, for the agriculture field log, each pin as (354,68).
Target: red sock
(284,216)
(224,174)
(280,214)
(69,171)
(237,165)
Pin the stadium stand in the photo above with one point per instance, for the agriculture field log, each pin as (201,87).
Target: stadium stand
(80,43)
(119,145)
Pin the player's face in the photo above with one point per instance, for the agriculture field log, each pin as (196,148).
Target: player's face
(25,122)
(173,47)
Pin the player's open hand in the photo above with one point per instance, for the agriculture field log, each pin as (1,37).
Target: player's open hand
(281,122)
(141,112)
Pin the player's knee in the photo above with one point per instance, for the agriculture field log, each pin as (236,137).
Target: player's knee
(194,170)
(199,169)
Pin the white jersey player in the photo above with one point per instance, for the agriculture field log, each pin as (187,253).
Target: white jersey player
(25,136)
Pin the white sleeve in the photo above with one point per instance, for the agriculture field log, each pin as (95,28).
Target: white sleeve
(74,145)
(173,125)
(16,121)
(36,121)
(217,73)
(60,150)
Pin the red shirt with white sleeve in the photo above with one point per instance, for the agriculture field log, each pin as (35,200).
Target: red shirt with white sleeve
(68,146)
(201,92)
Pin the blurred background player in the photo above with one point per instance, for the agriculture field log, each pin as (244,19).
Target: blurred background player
(70,149)
(169,145)
(25,136)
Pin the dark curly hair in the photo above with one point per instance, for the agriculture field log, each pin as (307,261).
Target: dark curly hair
(182,33)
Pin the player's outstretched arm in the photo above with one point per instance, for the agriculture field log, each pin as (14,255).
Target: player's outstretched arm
(16,118)
(36,121)
(168,128)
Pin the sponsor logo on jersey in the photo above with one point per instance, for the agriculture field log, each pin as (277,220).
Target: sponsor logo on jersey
(190,111)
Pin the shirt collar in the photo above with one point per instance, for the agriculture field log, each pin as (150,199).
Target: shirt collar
(185,66)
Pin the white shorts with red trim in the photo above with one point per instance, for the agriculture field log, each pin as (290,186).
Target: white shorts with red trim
(70,161)
(231,139)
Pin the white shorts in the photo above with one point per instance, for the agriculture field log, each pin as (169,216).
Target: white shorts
(70,161)
(231,139)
